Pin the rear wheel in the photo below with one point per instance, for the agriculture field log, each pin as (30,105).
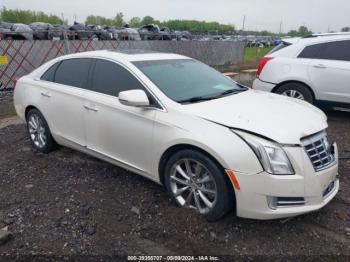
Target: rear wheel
(195,181)
(296,90)
(39,132)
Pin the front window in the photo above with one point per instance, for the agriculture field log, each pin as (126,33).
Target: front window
(187,80)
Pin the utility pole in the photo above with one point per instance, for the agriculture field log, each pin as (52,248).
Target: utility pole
(243,23)
(281,23)
(62,17)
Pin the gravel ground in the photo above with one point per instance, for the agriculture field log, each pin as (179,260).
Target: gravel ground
(66,203)
(69,204)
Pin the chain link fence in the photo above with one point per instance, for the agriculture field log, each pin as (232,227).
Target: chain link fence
(24,56)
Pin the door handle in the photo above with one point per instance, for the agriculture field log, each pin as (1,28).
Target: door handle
(46,94)
(320,66)
(91,108)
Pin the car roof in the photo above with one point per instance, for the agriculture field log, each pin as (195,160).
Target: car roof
(323,38)
(129,55)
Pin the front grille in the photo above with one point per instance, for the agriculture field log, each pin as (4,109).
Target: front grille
(319,150)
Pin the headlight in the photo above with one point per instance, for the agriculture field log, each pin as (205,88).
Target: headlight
(271,156)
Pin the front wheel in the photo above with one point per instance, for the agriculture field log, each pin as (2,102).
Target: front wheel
(296,90)
(195,181)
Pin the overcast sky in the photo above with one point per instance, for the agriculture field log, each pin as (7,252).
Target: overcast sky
(318,15)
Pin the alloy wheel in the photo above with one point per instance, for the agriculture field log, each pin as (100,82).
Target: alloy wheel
(193,185)
(37,130)
(294,93)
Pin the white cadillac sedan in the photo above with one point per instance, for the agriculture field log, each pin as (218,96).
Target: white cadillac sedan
(214,144)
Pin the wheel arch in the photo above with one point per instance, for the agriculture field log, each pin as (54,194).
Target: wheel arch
(179,147)
(294,81)
(28,108)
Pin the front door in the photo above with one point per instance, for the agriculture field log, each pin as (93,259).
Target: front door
(120,132)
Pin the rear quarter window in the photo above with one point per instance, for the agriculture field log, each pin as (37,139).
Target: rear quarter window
(49,75)
(73,72)
(339,50)
(312,51)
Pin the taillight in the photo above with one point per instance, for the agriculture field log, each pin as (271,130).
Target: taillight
(263,63)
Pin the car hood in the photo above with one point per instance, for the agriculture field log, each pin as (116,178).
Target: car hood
(282,119)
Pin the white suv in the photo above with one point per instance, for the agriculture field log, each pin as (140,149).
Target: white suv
(315,69)
(213,143)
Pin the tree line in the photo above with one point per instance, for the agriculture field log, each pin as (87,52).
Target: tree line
(27,16)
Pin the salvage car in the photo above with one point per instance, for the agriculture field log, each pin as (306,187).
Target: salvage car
(152,32)
(44,31)
(214,144)
(315,69)
(9,31)
(81,32)
(126,33)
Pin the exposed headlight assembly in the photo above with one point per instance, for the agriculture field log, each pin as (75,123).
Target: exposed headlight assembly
(271,156)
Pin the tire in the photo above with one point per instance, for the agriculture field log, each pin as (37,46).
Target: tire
(296,90)
(200,184)
(39,132)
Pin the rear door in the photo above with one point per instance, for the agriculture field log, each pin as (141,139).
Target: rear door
(122,133)
(64,94)
(330,71)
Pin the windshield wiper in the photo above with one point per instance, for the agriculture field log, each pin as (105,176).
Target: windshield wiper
(196,99)
(206,98)
(232,91)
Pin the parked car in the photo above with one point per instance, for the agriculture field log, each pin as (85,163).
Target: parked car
(152,32)
(113,32)
(213,143)
(126,33)
(9,31)
(167,34)
(183,35)
(42,31)
(315,69)
(81,32)
(100,32)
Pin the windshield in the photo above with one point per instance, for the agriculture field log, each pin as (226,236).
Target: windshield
(187,80)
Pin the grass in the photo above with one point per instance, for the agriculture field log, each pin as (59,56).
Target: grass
(252,54)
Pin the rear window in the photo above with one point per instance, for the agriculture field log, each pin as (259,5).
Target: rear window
(72,72)
(279,47)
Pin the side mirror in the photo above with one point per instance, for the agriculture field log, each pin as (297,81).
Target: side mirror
(136,97)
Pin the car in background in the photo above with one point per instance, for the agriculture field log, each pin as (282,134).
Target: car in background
(213,143)
(183,35)
(100,32)
(315,69)
(152,32)
(167,33)
(126,33)
(45,31)
(80,31)
(10,31)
